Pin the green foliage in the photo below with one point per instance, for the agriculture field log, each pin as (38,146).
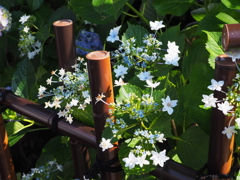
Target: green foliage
(199,41)
(193,147)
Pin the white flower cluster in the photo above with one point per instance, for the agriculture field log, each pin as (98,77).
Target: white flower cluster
(28,45)
(43,172)
(226,105)
(5,20)
(72,90)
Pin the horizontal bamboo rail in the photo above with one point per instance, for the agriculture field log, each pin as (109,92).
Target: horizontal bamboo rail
(84,134)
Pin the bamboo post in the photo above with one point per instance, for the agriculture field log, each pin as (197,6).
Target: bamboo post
(65,43)
(66,58)
(100,78)
(6,164)
(220,147)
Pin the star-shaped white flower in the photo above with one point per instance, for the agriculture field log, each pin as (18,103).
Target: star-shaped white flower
(229,131)
(69,118)
(159,158)
(156,25)
(168,105)
(26,29)
(209,101)
(151,84)
(61,113)
(172,48)
(74,102)
(130,161)
(160,138)
(105,144)
(99,98)
(171,58)
(119,82)
(120,71)
(141,160)
(216,85)
(24,18)
(143,76)
(113,35)
(225,107)
(61,72)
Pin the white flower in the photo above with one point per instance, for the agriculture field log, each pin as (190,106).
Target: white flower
(48,104)
(168,105)
(24,18)
(113,35)
(74,102)
(120,71)
(130,161)
(216,85)
(61,113)
(82,106)
(160,138)
(171,58)
(49,81)
(85,94)
(87,100)
(141,160)
(60,168)
(151,84)
(209,101)
(99,97)
(172,48)
(61,72)
(119,82)
(41,89)
(105,144)
(156,25)
(229,131)
(143,76)
(31,54)
(225,107)
(26,29)
(159,158)
(69,119)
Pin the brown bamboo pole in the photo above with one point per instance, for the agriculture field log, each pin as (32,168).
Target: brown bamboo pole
(220,147)
(100,78)
(231,37)
(66,58)
(6,164)
(65,43)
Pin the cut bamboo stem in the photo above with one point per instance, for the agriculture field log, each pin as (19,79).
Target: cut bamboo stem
(220,147)
(65,43)
(100,78)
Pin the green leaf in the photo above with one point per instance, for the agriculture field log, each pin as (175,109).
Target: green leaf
(61,155)
(213,46)
(174,7)
(23,82)
(162,124)
(148,11)
(128,89)
(226,18)
(193,148)
(14,127)
(135,31)
(85,116)
(86,11)
(232,4)
(43,33)
(200,13)
(111,7)
(33,4)
(42,15)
